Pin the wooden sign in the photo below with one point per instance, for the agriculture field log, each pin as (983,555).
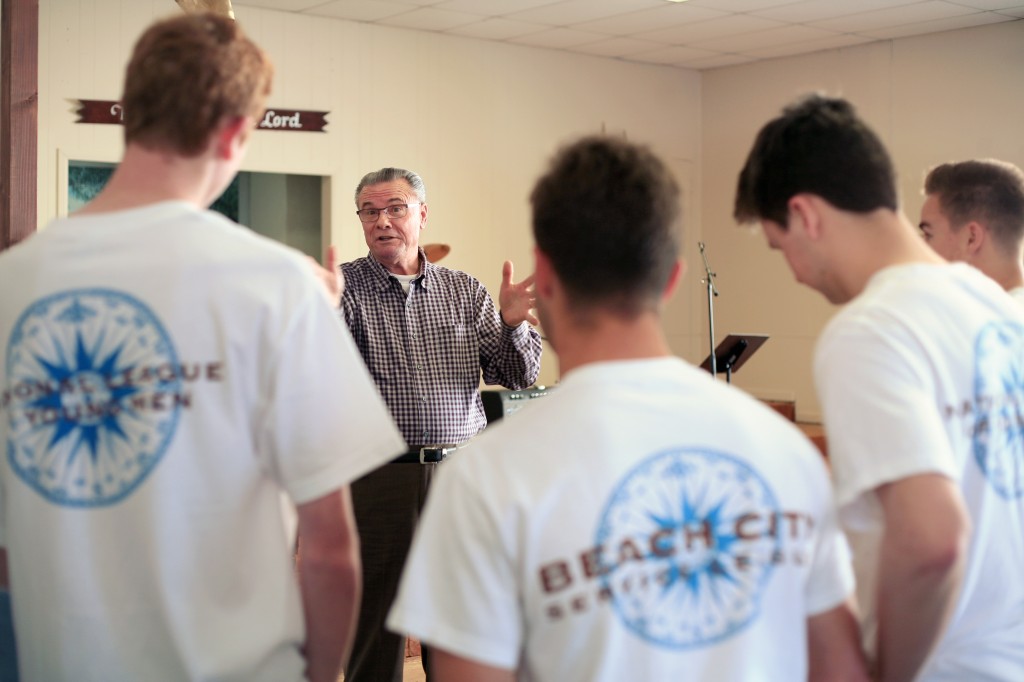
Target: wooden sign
(292,120)
(99,111)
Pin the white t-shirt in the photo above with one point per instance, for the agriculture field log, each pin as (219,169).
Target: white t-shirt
(1018,294)
(644,522)
(167,374)
(924,373)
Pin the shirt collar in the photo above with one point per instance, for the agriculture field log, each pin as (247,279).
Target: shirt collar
(383,275)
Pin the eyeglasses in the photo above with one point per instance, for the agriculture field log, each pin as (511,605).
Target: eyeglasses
(370,215)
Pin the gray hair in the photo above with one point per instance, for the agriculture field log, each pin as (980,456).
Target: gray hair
(390,175)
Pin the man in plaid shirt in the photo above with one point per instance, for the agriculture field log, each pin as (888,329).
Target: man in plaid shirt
(426,333)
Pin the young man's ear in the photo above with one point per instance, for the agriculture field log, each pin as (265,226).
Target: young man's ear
(678,269)
(976,236)
(232,136)
(805,214)
(543,274)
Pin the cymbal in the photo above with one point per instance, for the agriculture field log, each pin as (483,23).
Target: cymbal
(436,252)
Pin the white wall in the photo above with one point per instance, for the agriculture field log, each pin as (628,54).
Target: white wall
(477,120)
(935,98)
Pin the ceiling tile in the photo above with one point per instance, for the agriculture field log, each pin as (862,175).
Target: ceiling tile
(894,16)
(671,55)
(816,10)
(282,5)
(738,5)
(650,19)
(492,8)
(835,41)
(571,12)
(558,38)
(360,10)
(618,47)
(792,33)
(732,24)
(715,62)
(988,4)
(497,28)
(695,34)
(936,25)
(430,19)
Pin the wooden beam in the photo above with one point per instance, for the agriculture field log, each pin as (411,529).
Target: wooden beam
(19,112)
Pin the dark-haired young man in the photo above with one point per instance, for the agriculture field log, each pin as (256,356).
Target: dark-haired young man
(648,523)
(168,375)
(919,378)
(974,212)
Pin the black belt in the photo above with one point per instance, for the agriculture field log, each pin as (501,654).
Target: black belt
(427,454)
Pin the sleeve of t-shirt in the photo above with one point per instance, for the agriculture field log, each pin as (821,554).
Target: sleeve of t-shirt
(879,406)
(323,423)
(831,578)
(459,592)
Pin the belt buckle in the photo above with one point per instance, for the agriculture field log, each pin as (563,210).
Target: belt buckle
(441,450)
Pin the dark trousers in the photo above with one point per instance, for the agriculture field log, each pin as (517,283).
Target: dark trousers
(387,505)
(8,652)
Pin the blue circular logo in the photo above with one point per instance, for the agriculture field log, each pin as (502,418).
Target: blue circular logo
(689,539)
(998,434)
(94,392)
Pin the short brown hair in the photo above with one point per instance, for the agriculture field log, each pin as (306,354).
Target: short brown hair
(185,76)
(606,214)
(986,190)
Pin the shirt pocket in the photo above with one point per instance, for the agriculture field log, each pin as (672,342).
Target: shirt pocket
(454,352)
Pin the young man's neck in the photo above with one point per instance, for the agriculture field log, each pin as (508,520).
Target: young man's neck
(146,176)
(1015,280)
(877,241)
(1007,272)
(608,338)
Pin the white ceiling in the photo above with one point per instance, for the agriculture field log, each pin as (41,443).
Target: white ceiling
(695,34)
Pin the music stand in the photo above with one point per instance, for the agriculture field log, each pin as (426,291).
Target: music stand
(732,352)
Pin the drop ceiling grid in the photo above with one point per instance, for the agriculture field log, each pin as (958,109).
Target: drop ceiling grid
(694,34)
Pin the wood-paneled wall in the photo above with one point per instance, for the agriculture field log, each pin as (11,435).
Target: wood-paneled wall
(19,100)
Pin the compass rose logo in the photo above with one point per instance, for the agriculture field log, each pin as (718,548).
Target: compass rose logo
(702,566)
(998,438)
(83,429)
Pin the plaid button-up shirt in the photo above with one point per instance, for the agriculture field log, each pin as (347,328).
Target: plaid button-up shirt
(426,349)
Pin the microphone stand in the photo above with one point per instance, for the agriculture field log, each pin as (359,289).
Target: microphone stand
(709,281)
